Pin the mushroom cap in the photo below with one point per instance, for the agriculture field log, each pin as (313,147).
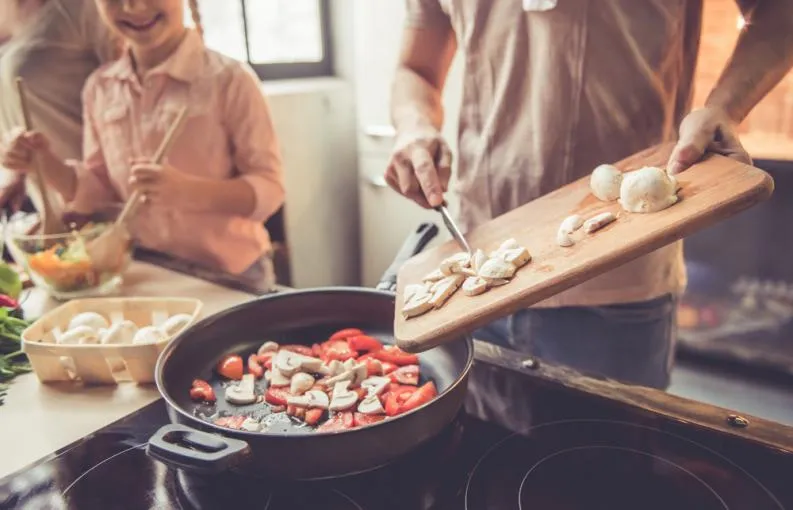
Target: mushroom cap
(605,182)
(649,189)
(148,335)
(79,335)
(175,323)
(93,320)
(120,333)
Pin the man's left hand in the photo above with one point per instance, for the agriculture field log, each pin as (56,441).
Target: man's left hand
(163,185)
(706,130)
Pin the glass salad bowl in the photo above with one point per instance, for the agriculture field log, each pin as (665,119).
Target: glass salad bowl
(60,263)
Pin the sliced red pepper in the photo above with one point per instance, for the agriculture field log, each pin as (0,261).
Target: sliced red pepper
(235,422)
(255,367)
(197,394)
(230,367)
(222,421)
(200,383)
(420,397)
(266,360)
(276,396)
(338,350)
(277,409)
(299,349)
(340,421)
(343,334)
(364,343)
(362,420)
(313,416)
(316,351)
(395,355)
(373,366)
(395,399)
(409,374)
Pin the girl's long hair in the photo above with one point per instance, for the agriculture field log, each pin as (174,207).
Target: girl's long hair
(196,15)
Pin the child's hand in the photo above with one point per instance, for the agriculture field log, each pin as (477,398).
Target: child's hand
(20,149)
(163,184)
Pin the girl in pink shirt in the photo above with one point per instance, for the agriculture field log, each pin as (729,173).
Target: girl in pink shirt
(222,178)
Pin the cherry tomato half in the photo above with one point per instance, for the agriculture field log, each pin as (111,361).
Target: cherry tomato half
(230,367)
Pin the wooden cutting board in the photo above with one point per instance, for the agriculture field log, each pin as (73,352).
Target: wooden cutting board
(711,191)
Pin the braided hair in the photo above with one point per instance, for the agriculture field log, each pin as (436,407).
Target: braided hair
(196,14)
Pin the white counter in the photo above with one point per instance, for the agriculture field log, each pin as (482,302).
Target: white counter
(38,419)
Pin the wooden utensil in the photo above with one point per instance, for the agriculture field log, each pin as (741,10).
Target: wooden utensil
(50,222)
(711,191)
(105,251)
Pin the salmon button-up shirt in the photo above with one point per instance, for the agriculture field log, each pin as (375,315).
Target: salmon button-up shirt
(228,133)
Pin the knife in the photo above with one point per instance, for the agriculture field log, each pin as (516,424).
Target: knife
(454,229)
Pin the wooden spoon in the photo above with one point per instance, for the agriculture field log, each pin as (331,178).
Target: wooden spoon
(50,222)
(107,250)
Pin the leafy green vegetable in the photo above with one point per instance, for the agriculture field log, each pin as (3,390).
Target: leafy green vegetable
(10,284)
(13,361)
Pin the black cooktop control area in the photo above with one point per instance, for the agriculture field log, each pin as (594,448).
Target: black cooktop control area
(522,444)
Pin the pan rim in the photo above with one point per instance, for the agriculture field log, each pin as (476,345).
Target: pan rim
(173,344)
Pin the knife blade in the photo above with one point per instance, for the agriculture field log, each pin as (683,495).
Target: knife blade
(454,229)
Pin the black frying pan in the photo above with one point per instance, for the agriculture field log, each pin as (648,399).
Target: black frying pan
(289,451)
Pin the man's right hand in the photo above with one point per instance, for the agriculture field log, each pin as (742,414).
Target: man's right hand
(20,149)
(420,167)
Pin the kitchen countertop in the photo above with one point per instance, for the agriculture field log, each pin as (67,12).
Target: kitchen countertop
(38,419)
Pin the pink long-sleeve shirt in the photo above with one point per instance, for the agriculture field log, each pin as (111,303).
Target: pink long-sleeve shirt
(228,133)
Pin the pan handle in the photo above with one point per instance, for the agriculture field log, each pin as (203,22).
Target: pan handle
(185,448)
(414,244)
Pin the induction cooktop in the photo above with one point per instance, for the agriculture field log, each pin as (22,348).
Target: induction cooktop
(531,437)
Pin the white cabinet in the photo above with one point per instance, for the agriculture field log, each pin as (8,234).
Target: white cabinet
(386,218)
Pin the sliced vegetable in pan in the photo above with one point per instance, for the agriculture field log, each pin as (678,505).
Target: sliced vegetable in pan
(350,380)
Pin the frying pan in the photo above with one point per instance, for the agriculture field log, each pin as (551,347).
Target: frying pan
(288,450)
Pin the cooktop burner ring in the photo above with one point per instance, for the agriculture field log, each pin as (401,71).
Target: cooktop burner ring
(582,423)
(631,450)
(335,491)
(88,471)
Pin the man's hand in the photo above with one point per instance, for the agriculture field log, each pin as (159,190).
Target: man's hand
(164,185)
(420,167)
(20,149)
(706,130)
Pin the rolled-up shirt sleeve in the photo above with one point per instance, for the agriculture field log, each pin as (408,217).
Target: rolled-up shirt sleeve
(255,149)
(425,13)
(94,188)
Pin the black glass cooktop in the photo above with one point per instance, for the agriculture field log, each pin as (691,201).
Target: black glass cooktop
(522,444)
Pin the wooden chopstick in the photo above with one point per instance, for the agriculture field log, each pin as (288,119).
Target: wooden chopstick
(162,150)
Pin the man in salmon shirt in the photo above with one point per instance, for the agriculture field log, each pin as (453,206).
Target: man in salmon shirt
(553,88)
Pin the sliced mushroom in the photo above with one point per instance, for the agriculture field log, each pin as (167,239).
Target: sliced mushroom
(301,383)
(313,398)
(597,222)
(413,290)
(417,306)
(496,282)
(348,364)
(242,392)
(375,385)
(445,288)
(268,347)
(347,375)
(371,405)
(455,264)
(572,223)
(358,373)
(518,257)
(335,367)
(478,259)
(509,244)
(290,362)
(564,239)
(474,285)
(251,425)
(434,276)
(276,378)
(342,397)
(497,268)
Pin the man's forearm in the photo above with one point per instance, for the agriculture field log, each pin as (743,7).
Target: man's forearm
(415,103)
(234,197)
(762,57)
